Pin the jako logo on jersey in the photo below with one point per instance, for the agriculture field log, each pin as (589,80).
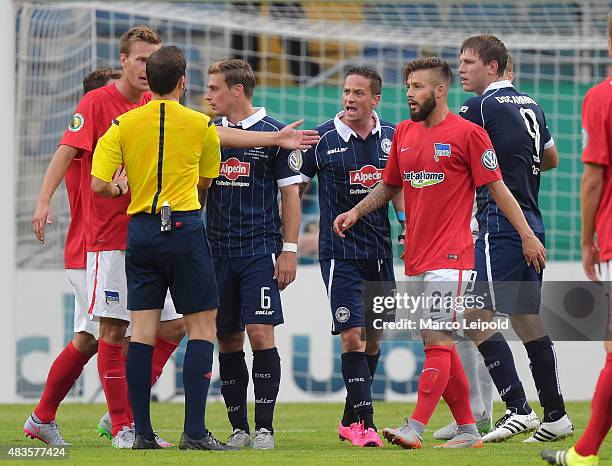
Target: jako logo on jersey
(367,176)
(441,150)
(76,123)
(385,145)
(337,150)
(489,159)
(233,168)
(295,160)
(342,314)
(423,179)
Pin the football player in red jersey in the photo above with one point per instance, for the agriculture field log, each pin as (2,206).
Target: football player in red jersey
(439,159)
(596,206)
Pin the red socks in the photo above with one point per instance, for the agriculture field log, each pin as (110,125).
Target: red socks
(111,367)
(457,393)
(63,373)
(601,413)
(161,353)
(432,382)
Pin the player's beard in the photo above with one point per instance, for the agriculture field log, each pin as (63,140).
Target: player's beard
(424,109)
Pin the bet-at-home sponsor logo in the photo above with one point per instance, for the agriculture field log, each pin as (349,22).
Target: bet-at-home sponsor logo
(423,179)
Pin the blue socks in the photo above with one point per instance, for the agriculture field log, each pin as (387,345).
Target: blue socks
(266,382)
(498,359)
(197,372)
(234,382)
(358,386)
(138,374)
(544,370)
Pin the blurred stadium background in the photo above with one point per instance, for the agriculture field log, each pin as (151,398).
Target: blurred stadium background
(300,50)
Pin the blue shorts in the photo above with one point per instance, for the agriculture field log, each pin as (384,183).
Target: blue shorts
(179,259)
(503,279)
(344,280)
(247,292)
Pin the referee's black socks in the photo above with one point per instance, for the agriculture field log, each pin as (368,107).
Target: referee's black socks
(138,374)
(197,372)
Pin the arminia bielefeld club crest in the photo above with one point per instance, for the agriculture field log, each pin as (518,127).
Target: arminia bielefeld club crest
(76,123)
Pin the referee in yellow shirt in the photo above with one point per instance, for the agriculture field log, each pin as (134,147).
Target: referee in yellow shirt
(170,154)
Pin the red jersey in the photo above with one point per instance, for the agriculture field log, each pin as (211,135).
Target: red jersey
(105,219)
(75,256)
(440,169)
(597,148)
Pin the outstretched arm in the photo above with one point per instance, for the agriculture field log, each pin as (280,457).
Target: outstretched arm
(379,196)
(287,138)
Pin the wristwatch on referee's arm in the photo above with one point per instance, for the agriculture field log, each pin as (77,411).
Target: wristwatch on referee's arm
(118,186)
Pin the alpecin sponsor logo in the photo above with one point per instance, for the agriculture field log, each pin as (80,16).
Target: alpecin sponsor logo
(233,168)
(367,176)
(422,179)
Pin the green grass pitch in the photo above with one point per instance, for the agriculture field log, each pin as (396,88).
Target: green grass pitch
(305,434)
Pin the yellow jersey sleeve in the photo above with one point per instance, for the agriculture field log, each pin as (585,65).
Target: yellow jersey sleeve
(210,159)
(107,156)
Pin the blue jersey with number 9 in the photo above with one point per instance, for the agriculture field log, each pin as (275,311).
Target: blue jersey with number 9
(517,127)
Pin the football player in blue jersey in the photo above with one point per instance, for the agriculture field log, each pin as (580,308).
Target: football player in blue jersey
(253,260)
(517,127)
(349,161)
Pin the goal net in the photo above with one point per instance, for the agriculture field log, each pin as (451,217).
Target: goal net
(300,51)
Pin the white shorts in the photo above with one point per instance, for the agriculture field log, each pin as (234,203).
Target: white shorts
(605,272)
(107,288)
(442,292)
(82,323)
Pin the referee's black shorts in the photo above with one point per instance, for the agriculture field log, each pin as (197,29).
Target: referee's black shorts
(179,259)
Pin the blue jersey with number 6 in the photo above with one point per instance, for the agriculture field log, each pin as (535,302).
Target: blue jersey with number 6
(517,127)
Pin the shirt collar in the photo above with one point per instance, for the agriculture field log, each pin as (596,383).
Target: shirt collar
(345,130)
(497,85)
(260,113)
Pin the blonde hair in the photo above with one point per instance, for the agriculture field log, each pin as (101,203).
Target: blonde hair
(143,33)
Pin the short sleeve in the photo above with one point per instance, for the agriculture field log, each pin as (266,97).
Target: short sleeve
(482,158)
(287,165)
(81,128)
(108,155)
(595,112)
(210,159)
(545,134)
(310,166)
(471,111)
(392,175)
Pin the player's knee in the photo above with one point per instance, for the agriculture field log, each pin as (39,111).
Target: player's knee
(231,342)
(85,343)
(260,336)
(173,330)
(528,327)
(113,330)
(352,340)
